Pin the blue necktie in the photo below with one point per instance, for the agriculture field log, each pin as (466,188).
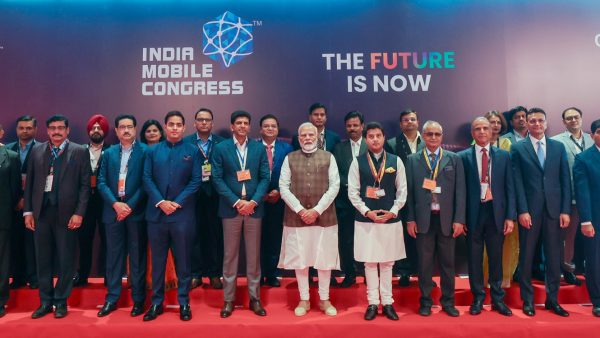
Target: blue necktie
(540,153)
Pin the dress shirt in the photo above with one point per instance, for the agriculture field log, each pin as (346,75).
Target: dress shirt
(518,136)
(125,155)
(23,151)
(355,147)
(479,156)
(95,153)
(272,144)
(413,144)
(534,141)
(204,144)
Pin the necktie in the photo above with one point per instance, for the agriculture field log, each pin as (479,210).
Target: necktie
(540,153)
(484,166)
(270,155)
(432,158)
(320,142)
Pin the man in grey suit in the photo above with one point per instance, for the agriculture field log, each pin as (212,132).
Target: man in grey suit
(575,142)
(56,196)
(517,119)
(543,188)
(436,214)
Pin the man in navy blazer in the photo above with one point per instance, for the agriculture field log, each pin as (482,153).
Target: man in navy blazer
(240,173)
(490,213)
(120,185)
(586,174)
(326,139)
(272,223)
(543,189)
(172,176)
(207,250)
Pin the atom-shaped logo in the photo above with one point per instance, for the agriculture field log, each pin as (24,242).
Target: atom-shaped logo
(227,39)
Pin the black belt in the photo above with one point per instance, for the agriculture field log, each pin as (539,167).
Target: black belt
(435,212)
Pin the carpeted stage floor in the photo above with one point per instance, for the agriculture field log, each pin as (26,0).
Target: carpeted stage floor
(281,322)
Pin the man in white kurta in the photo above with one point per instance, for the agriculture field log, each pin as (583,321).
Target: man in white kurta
(377,189)
(309,183)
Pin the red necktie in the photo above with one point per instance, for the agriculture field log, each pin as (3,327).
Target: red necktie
(484,166)
(270,155)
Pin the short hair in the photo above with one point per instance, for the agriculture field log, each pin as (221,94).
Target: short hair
(206,110)
(123,117)
(27,118)
(307,125)
(479,118)
(497,114)
(269,116)
(512,112)
(353,114)
(174,113)
(240,113)
(535,110)
(57,118)
(374,125)
(572,108)
(148,124)
(431,123)
(595,126)
(406,112)
(316,106)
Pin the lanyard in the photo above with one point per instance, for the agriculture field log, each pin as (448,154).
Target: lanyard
(378,176)
(436,164)
(580,146)
(56,152)
(205,154)
(242,158)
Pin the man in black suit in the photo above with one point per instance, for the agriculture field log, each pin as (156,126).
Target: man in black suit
(56,195)
(22,249)
(326,139)
(344,154)
(207,252)
(543,189)
(408,142)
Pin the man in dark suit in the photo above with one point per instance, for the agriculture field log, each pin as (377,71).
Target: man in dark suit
(207,250)
(543,188)
(436,214)
(490,213)
(120,185)
(344,154)
(326,139)
(586,174)
(10,194)
(272,222)
(22,249)
(408,142)
(241,178)
(56,195)
(172,176)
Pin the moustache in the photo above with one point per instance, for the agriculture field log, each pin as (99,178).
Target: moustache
(126,134)
(56,135)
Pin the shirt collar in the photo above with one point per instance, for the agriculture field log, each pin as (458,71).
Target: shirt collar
(437,151)
(416,138)
(235,141)
(272,144)
(201,140)
(478,148)
(357,143)
(535,140)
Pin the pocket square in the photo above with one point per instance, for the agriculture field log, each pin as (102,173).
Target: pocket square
(390,170)
(449,168)
(187,158)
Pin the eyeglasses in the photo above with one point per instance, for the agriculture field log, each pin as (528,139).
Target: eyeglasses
(572,118)
(536,121)
(130,127)
(54,128)
(432,134)
(410,119)
(203,120)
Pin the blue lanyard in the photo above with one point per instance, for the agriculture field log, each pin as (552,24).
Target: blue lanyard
(241,157)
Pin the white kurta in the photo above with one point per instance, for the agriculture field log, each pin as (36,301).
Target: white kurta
(308,246)
(374,242)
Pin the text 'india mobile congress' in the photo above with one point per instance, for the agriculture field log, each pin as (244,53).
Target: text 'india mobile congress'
(391,68)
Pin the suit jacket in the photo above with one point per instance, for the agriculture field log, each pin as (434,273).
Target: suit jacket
(10,183)
(399,146)
(502,185)
(536,187)
(586,173)
(205,187)
(73,181)
(172,172)
(225,165)
(343,157)
(572,150)
(451,179)
(331,139)
(108,180)
(14,146)
(281,151)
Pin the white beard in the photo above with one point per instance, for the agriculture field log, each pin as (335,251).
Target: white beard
(309,148)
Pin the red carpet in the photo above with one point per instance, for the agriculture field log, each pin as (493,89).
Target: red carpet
(281,322)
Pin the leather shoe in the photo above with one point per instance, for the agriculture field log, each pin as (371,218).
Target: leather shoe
(227,309)
(137,309)
(404,281)
(389,312)
(451,311)
(257,308)
(554,307)
(2,311)
(371,312)
(16,284)
(596,311)
(196,282)
(107,308)
(272,282)
(425,310)
(154,311)
(570,278)
(528,309)
(215,283)
(333,282)
(348,282)
(185,312)
(60,311)
(476,307)
(34,285)
(502,309)
(79,282)
(41,311)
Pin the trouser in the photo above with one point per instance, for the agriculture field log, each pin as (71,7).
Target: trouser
(91,221)
(379,285)
(568,235)
(407,266)
(4,265)
(207,249)
(345,218)
(271,233)
(22,252)
(302,279)
(592,268)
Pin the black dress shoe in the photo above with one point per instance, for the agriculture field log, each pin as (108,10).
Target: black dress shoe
(528,309)
(185,312)
(596,311)
(476,307)
(196,282)
(272,282)
(371,312)
(16,284)
(501,308)
(80,282)
(41,311)
(227,309)
(257,308)
(404,281)
(451,311)
(2,311)
(60,311)
(154,311)
(389,312)
(570,278)
(107,308)
(137,309)
(425,310)
(333,282)
(348,282)
(34,285)
(215,283)
(554,307)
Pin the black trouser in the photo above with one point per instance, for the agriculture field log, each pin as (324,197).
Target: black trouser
(22,252)
(430,244)
(4,264)
(207,250)
(272,231)
(346,218)
(91,221)
(408,265)
(485,231)
(592,268)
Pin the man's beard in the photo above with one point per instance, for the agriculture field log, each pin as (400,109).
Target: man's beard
(308,147)
(97,138)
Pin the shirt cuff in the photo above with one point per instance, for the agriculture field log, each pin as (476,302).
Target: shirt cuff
(27,213)
(586,223)
(236,202)
(157,204)
(394,210)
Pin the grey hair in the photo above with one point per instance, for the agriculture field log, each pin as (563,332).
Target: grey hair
(480,119)
(308,125)
(431,123)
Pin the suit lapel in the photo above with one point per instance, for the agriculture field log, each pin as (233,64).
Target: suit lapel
(3,155)
(444,160)
(66,159)
(530,149)
(473,161)
(363,147)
